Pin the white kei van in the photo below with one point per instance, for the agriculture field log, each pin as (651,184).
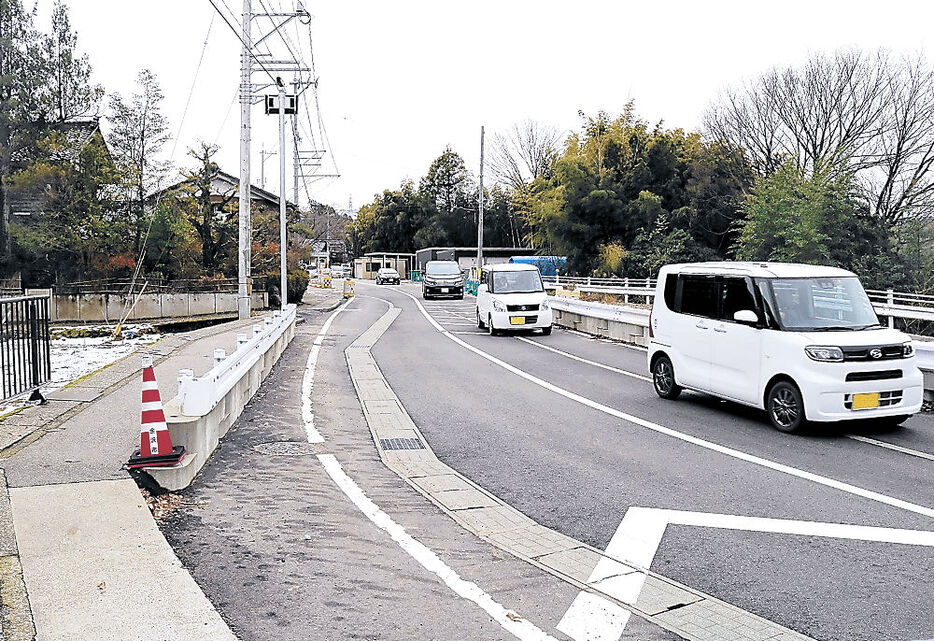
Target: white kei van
(799,341)
(511,296)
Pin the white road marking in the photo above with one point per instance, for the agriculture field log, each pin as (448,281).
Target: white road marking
(584,360)
(636,542)
(511,622)
(308,380)
(891,446)
(687,438)
(514,624)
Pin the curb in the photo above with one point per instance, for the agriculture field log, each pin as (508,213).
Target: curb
(16,622)
(677,608)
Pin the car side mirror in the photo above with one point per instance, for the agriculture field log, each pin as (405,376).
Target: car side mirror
(482,287)
(746,317)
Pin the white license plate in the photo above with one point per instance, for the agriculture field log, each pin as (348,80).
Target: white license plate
(445,290)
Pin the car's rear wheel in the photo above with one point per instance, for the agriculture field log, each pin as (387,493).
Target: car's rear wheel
(785,407)
(663,379)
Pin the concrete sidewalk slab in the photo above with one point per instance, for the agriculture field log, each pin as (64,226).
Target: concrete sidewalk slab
(92,555)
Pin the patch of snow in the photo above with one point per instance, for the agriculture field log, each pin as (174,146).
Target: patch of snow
(73,358)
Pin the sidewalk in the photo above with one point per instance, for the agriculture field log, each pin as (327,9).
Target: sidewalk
(74,528)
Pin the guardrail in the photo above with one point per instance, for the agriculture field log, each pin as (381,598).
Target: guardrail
(198,396)
(888,303)
(639,316)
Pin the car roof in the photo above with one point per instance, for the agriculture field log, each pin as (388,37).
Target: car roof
(511,267)
(387,269)
(436,262)
(759,269)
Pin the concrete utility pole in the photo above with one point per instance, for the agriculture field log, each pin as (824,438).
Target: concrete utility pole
(246,96)
(480,216)
(283,282)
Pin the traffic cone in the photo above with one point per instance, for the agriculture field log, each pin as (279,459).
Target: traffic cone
(155,444)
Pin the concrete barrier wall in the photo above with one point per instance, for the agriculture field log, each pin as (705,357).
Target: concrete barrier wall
(111,308)
(616,330)
(201,434)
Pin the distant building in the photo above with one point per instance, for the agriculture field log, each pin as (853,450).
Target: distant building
(225,188)
(466,257)
(367,266)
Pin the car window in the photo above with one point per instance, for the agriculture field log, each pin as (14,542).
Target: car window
(698,295)
(736,295)
(671,289)
(444,269)
(516,282)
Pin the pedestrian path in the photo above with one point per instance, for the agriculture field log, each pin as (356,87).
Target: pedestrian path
(75,530)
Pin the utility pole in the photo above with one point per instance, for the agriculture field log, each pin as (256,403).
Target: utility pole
(296,167)
(246,96)
(283,283)
(480,212)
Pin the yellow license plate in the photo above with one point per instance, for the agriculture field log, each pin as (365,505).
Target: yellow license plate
(517,320)
(865,401)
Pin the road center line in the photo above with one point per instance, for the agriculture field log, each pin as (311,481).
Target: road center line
(687,438)
(584,360)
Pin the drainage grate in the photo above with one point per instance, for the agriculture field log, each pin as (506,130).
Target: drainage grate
(285,448)
(401,444)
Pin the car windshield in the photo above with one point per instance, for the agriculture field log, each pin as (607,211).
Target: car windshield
(517,282)
(444,269)
(821,304)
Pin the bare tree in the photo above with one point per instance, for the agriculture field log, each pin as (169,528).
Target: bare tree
(866,114)
(525,153)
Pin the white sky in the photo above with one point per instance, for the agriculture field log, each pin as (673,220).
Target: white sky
(401,80)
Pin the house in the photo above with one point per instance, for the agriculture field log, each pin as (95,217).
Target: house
(225,188)
(77,134)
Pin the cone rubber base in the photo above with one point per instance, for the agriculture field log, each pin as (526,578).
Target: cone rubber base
(160,460)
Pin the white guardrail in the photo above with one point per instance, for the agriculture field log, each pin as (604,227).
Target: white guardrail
(640,316)
(198,396)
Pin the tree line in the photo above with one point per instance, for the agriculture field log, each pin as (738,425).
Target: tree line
(78,202)
(828,162)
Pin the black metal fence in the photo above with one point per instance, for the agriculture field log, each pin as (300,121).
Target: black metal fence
(25,361)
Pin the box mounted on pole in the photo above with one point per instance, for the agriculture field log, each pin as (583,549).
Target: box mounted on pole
(289,104)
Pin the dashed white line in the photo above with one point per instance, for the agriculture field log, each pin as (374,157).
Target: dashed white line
(584,360)
(891,446)
(687,438)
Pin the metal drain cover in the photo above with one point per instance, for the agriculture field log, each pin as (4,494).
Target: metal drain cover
(401,444)
(285,448)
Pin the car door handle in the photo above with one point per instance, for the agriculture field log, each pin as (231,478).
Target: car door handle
(719,330)
(700,326)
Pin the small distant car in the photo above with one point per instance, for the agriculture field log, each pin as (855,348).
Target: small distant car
(512,296)
(442,278)
(387,275)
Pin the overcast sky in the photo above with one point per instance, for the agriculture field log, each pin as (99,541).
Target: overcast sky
(398,81)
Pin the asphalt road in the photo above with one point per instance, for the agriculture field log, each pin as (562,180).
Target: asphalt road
(578,469)
(284,555)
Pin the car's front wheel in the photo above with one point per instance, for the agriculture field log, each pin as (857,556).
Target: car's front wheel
(785,407)
(489,326)
(480,324)
(663,379)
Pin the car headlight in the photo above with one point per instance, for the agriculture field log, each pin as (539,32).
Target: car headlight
(824,354)
(908,349)
(498,306)
(429,281)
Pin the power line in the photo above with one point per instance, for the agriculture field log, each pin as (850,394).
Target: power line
(240,38)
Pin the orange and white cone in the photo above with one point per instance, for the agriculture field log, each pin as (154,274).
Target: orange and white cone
(155,443)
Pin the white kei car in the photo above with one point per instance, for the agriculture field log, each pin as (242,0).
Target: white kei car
(511,296)
(801,342)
